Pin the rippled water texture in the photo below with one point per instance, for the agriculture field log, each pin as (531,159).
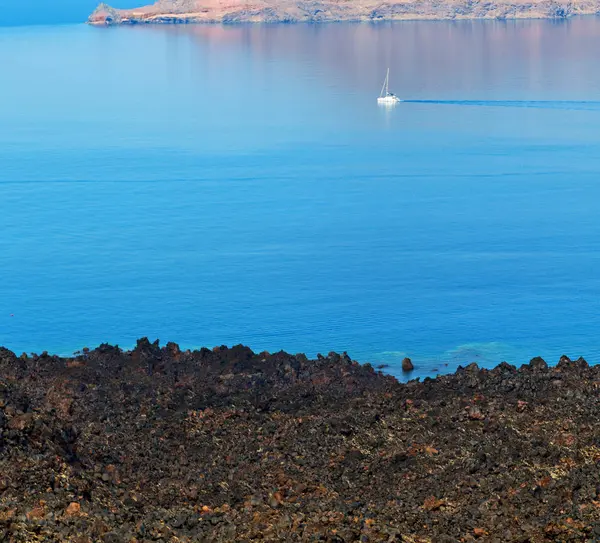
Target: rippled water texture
(212,185)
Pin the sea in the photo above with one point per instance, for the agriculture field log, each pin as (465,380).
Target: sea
(214,185)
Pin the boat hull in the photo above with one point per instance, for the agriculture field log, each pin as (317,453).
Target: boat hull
(388,100)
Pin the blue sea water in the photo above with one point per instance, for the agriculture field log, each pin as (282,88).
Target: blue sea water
(215,185)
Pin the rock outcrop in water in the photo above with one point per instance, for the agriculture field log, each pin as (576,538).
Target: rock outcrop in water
(162,445)
(235,11)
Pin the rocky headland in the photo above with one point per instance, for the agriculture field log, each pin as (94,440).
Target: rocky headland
(237,11)
(163,445)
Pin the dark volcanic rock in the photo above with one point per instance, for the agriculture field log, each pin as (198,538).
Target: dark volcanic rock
(160,444)
(538,364)
(407,365)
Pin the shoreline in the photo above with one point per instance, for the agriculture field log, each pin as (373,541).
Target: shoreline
(439,369)
(430,364)
(366,20)
(225,444)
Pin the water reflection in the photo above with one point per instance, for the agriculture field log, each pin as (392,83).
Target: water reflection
(457,58)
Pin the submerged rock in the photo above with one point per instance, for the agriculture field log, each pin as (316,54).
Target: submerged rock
(407,365)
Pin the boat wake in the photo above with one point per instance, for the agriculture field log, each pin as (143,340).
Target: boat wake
(584,105)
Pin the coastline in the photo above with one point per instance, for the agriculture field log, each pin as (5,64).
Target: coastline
(225,444)
(286,11)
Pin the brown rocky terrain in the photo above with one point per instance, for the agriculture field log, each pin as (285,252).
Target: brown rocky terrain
(234,11)
(161,445)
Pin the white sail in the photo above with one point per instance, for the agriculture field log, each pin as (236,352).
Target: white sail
(386,97)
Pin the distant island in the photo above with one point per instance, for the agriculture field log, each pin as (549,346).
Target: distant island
(289,11)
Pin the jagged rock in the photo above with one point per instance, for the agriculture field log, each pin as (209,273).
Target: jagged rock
(407,364)
(105,15)
(538,364)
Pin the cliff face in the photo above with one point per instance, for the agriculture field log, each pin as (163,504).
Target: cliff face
(233,11)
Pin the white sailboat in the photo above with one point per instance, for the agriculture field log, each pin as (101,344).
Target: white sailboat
(386,97)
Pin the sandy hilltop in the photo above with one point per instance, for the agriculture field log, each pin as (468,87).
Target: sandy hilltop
(233,11)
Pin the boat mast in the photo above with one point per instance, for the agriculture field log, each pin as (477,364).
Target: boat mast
(385,84)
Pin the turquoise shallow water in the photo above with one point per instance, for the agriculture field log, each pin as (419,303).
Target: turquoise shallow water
(217,185)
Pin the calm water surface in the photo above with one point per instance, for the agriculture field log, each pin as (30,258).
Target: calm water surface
(214,185)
